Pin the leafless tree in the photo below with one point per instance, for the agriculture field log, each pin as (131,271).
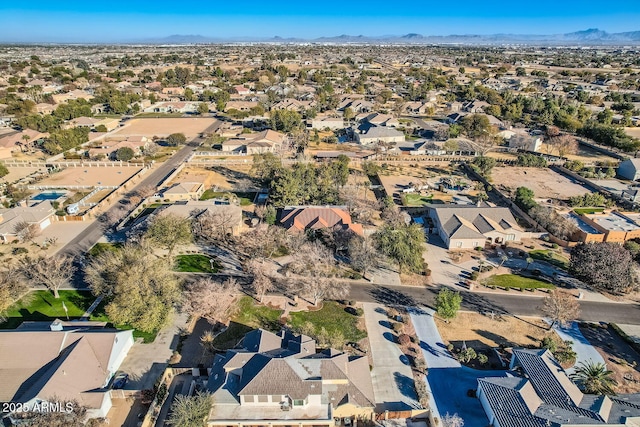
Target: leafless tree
(12,287)
(210,299)
(52,272)
(262,282)
(561,307)
(318,289)
(452,420)
(262,241)
(363,254)
(565,144)
(212,227)
(145,191)
(26,231)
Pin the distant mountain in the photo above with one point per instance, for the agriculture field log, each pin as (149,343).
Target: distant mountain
(591,36)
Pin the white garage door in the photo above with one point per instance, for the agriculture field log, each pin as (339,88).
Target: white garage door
(44,224)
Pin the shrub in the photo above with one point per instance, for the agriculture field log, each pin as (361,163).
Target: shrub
(479,248)
(483,359)
(19,251)
(397,327)
(404,339)
(474,275)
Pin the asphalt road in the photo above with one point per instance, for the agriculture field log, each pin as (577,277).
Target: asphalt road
(90,236)
(514,303)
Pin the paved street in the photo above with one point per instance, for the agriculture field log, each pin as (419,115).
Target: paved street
(391,373)
(87,238)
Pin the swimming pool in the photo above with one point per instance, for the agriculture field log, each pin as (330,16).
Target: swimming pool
(49,195)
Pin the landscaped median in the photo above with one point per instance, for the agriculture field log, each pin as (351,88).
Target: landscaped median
(509,281)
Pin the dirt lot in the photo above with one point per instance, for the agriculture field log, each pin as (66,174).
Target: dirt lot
(195,175)
(16,173)
(90,176)
(634,132)
(232,177)
(618,355)
(190,127)
(482,333)
(545,183)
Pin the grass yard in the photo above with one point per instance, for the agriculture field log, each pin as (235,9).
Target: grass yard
(414,199)
(196,263)
(245,199)
(519,282)
(248,316)
(587,211)
(99,248)
(42,306)
(333,318)
(551,257)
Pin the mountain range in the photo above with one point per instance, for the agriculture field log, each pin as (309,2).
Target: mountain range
(592,36)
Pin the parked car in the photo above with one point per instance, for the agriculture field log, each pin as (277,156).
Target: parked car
(119,381)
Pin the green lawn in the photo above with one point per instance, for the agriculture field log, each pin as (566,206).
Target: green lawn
(248,316)
(333,318)
(196,263)
(415,199)
(551,257)
(588,211)
(514,281)
(99,248)
(245,199)
(42,306)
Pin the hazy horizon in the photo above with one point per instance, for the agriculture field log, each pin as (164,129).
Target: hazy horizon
(121,21)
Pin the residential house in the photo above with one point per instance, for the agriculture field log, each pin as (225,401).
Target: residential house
(172,107)
(538,393)
(629,169)
(227,216)
(15,141)
(43,108)
(303,218)
(468,227)
(377,134)
(241,90)
(266,141)
(475,106)
(68,96)
(241,105)
(108,147)
(632,195)
(382,120)
(62,364)
(525,142)
(320,123)
(182,191)
(281,380)
(41,213)
(179,91)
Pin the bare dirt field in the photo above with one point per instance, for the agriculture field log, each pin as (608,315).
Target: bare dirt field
(17,173)
(545,183)
(618,355)
(232,177)
(634,132)
(482,333)
(195,175)
(161,127)
(90,176)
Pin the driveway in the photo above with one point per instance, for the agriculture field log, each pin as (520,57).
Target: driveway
(585,352)
(448,381)
(146,362)
(392,378)
(443,270)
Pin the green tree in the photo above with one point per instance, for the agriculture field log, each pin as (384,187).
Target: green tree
(191,411)
(176,139)
(140,289)
(101,128)
(448,303)
(476,125)
(524,198)
(170,231)
(594,378)
(484,165)
(124,154)
(3,170)
(285,120)
(203,108)
(402,243)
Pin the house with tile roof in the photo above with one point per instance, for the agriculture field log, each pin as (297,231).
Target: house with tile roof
(467,227)
(41,213)
(538,393)
(281,379)
(52,366)
(267,141)
(302,218)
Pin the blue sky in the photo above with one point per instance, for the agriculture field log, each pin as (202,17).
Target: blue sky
(121,20)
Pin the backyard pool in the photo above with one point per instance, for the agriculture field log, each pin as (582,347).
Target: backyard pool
(49,195)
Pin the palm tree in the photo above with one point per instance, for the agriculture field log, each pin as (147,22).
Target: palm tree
(594,378)
(529,261)
(503,259)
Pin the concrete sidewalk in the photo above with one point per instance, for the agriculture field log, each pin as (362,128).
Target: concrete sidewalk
(391,375)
